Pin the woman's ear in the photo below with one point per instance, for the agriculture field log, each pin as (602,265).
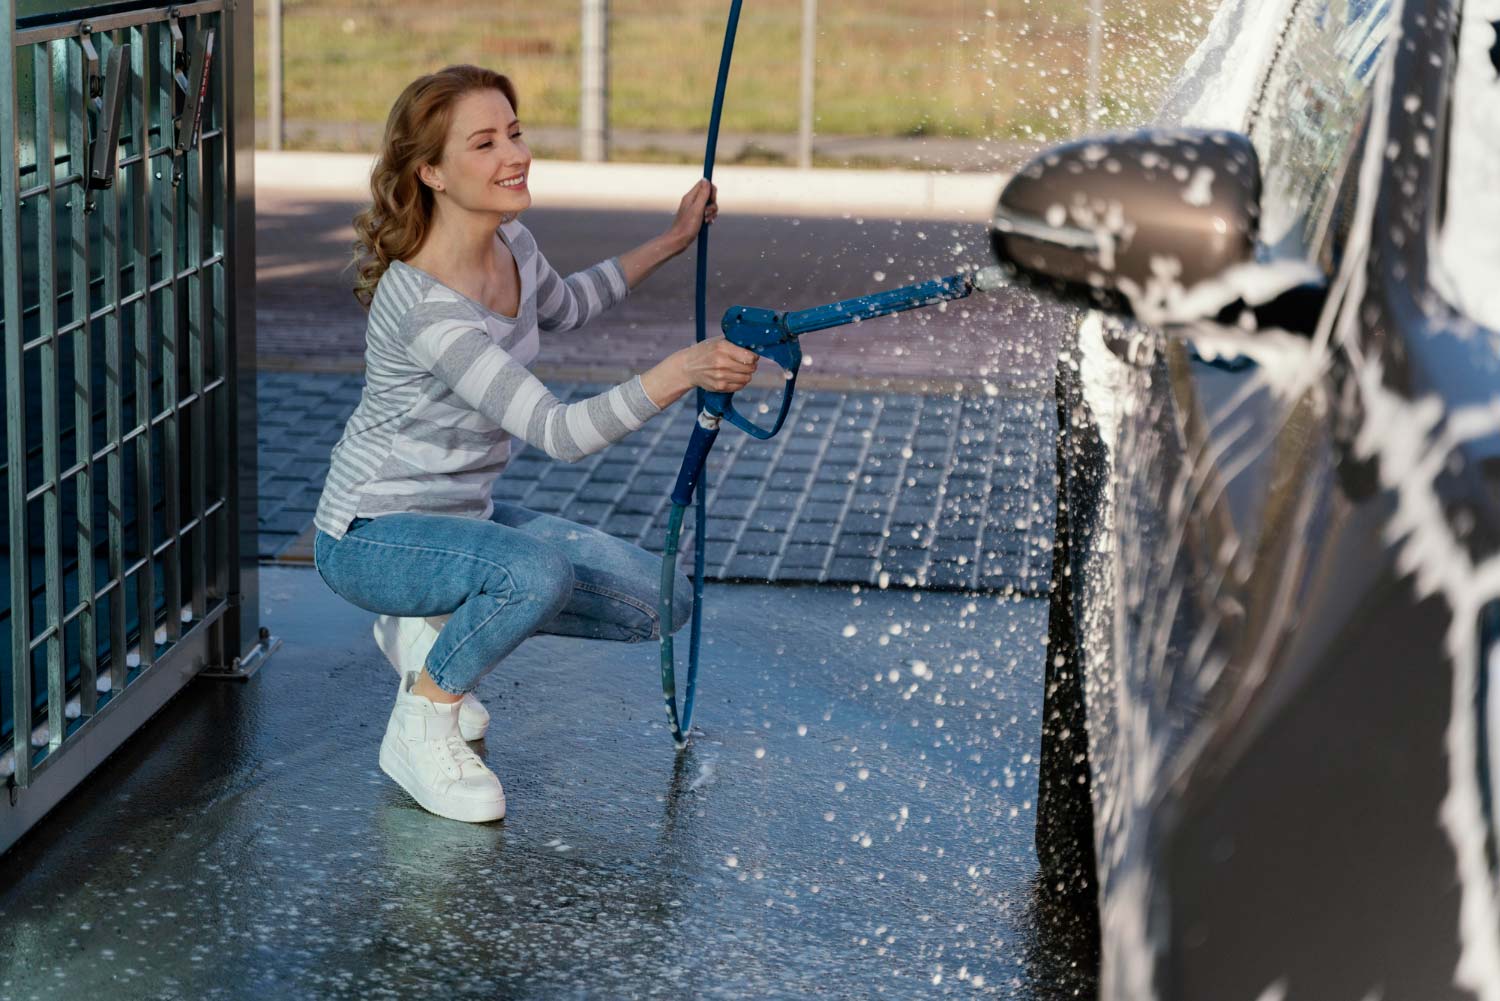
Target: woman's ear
(429,176)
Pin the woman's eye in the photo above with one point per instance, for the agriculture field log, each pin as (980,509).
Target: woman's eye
(485,143)
(518,135)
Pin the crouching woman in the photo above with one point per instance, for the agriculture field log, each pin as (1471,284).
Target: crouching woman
(458,295)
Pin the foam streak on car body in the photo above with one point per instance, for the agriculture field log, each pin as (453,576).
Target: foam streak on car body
(1410,442)
(1469,245)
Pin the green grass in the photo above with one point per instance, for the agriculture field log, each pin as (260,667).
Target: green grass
(957,68)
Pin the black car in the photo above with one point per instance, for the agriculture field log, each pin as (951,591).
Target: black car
(1272,727)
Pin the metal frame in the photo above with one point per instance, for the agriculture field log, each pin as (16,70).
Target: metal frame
(159,266)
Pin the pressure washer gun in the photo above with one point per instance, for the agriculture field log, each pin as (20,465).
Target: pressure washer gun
(775,336)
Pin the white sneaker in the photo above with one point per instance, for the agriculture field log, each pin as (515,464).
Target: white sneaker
(406,642)
(426,755)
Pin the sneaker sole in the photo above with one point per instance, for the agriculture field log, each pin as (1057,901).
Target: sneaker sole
(469,813)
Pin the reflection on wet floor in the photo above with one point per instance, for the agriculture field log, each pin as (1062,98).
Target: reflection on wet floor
(853,819)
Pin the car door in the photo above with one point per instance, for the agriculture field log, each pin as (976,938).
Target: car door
(1217,467)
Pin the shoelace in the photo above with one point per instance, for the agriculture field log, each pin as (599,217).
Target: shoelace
(453,751)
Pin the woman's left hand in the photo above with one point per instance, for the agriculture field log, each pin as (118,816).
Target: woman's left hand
(699,207)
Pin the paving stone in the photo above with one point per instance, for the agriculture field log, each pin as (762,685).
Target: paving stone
(740,488)
(612,472)
(823,491)
(797,462)
(584,513)
(760,541)
(548,501)
(861,523)
(564,478)
(597,491)
(852,569)
(713,557)
(804,555)
(903,559)
(626,526)
(723,529)
(729,508)
(656,486)
(638,502)
(824,513)
(743,567)
(281,521)
(951,575)
(512,489)
(849,544)
(766,521)
(907,513)
(780,500)
(950,549)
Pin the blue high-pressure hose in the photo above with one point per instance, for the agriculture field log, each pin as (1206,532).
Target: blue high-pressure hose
(680,723)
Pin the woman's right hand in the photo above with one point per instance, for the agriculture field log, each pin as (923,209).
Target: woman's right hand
(717,365)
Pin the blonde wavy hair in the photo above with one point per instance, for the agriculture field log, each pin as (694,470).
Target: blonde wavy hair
(400,212)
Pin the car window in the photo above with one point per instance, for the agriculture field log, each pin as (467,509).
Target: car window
(1468,247)
(1308,117)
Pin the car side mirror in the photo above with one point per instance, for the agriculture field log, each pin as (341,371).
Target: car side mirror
(1118,220)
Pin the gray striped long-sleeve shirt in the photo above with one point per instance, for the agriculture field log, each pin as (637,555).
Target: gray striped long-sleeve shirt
(447,386)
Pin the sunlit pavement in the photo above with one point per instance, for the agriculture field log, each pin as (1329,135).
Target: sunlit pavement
(852,819)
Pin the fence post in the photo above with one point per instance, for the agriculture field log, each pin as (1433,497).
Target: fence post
(1096,39)
(809,50)
(593,91)
(273,73)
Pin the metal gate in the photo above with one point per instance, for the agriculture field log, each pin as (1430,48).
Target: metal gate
(126,244)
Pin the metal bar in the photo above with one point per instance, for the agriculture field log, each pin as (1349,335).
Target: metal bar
(242,633)
(46,248)
(197,316)
(171,349)
(114,452)
(275,114)
(593,90)
(15,402)
(809,61)
(218,405)
(111,22)
(83,385)
(143,57)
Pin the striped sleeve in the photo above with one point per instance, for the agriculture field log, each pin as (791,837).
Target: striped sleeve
(445,339)
(568,303)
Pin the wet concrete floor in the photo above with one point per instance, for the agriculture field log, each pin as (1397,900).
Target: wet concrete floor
(853,819)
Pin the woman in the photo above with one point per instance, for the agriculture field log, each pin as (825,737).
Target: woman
(457,294)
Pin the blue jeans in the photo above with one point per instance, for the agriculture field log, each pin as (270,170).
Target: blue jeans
(502,580)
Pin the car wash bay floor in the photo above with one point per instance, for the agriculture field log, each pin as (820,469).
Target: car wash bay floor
(853,819)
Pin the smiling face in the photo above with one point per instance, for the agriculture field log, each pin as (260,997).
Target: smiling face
(485,162)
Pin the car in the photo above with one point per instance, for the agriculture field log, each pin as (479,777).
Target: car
(1271,733)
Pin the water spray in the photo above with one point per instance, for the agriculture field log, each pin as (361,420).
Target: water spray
(772,335)
(775,336)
